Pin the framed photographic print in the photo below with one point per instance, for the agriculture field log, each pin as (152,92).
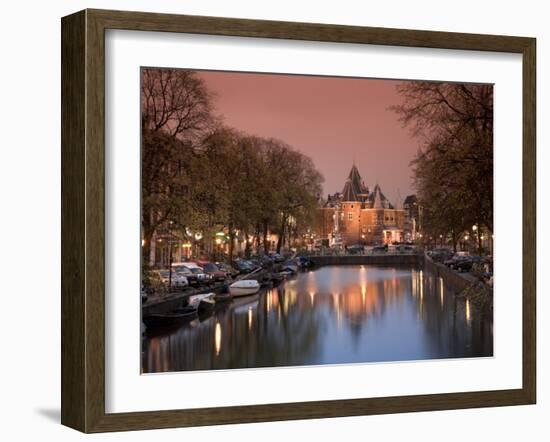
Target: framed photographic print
(320,221)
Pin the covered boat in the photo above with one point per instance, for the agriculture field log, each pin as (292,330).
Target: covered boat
(206,305)
(290,266)
(172,319)
(244,287)
(222,297)
(194,300)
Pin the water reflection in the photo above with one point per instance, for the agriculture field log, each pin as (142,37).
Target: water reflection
(218,338)
(338,314)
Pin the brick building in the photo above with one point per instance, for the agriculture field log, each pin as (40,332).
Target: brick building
(360,216)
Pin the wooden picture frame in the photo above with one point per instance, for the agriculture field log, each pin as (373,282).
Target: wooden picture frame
(83,220)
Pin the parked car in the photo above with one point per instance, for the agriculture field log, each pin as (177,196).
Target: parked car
(467,263)
(244,266)
(381,248)
(230,272)
(462,253)
(265,261)
(404,248)
(441,254)
(213,270)
(453,261)
(258,261)
(183,270)
(355,249)
(277,258)
(202,277)
(462,263)
(178,280)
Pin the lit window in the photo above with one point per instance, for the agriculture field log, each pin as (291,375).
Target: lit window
(350,216)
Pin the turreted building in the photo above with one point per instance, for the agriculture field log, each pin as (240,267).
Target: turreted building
(358,215)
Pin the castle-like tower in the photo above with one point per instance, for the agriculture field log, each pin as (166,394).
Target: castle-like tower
(359,216)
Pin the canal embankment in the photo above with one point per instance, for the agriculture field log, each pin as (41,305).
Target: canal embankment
(371,259)
(331,315)
(457,281)
(465,285)
(170,301)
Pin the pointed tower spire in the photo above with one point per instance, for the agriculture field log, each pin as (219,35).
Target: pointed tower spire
(353,189)
(377,198)
(399,201)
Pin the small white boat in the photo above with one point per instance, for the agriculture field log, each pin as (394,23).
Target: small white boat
(290,266)
(244,287)
(206,305)
(194,300)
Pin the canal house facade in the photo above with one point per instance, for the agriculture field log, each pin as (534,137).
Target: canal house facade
(358,215)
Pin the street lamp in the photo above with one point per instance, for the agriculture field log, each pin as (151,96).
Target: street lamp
(170,256)
(479,238)
(218,241)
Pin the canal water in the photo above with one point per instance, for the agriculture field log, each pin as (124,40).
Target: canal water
(331,315)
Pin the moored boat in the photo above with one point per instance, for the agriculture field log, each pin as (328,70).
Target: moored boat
(206,305)
(290,266)
(223,297)
(172,319)
(194,300)
(244,287)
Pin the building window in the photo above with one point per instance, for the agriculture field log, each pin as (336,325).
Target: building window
(350,216)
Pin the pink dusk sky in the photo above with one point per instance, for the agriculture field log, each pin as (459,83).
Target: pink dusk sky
(335,121)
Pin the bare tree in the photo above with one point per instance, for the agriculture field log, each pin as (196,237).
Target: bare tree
(176,102)
(176,113)
(453,170)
